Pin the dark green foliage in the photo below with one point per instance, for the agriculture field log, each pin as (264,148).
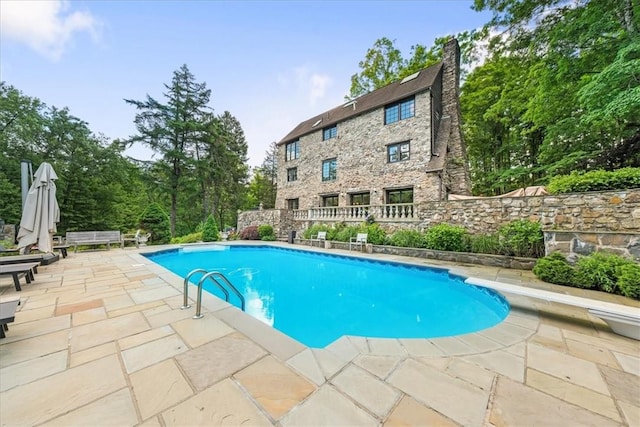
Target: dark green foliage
(265,230)
(155,221)
(445,237)
(629,280)
(554,268)
(598,180)
(98,188)
(344,234)
(407,239)
(210,230)
(250,233)
(263,186)
(485,244)
(600,271)
(522,238)
(375,234)
(313,231)
(189,238)
(200,167)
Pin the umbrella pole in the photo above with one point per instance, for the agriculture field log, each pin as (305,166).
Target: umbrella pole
(25,174)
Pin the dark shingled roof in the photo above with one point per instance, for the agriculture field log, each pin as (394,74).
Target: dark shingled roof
(370,101)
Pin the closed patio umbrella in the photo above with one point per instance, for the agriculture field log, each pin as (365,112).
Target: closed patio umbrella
(41,212)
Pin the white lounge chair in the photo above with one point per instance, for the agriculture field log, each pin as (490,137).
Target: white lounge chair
(358,241)
(320,237)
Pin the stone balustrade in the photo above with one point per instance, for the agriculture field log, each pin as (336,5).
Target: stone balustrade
(381,213)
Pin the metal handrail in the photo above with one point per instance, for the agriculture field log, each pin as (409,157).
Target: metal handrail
(230,285)
(185,301)
(209,275)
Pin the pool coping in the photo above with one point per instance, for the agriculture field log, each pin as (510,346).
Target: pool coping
(319,364)
(112,321)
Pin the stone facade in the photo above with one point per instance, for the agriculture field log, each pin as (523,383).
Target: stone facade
(363,166)
(361,143)
(280,219)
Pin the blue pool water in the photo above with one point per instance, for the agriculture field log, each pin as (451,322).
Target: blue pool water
(317,298)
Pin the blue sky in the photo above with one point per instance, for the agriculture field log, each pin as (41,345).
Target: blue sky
(271,64)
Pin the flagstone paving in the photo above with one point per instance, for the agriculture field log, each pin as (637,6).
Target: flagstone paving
(100,339)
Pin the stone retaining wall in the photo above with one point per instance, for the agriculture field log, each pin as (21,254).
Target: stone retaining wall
(584,243)
(482,259)
(574,223)
(617,211)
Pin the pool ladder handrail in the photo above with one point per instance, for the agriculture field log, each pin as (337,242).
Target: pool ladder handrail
(208,275)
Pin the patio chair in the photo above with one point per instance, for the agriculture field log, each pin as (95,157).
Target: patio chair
(320,237)
(358,241)
(138,238)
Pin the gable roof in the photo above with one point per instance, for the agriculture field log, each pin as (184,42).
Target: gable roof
(385,95)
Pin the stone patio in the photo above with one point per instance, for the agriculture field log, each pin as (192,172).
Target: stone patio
(100,339)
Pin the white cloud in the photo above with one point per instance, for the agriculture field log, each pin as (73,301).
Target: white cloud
(310,84)
(46,26)
(319,83)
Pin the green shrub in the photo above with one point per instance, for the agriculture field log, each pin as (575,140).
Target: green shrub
(313,231)
(445,237)
(598,180)
(554,268)
(485,244)
(599,270)
(250,233)
(189,238)
(270,238)
(346,233)
(629,280)
(210,230)
(155,220)
(7,243)
(407,239)
(522,238)
(265,230)
(375,233)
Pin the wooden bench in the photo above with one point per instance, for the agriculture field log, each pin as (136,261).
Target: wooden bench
(7,314)
(16,270)
(92,238)
(622,319)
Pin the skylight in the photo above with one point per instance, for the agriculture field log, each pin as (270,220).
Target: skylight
(316,123)
(350,104)
(410,77)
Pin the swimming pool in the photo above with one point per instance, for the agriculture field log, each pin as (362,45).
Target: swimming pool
(316,298)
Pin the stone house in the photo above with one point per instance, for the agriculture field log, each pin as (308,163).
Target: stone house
(381,154)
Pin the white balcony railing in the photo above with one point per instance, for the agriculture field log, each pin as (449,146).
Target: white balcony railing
(382,213)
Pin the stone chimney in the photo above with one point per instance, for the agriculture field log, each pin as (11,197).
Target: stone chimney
(457,179)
